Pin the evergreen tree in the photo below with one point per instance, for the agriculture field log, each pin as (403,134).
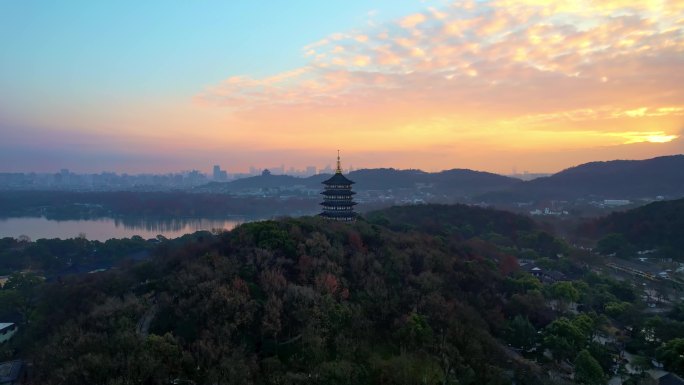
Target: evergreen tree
(588,370)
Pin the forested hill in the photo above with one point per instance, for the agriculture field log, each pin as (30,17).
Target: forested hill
(428,294)
(457,181)
(617,179)
(656,225)
(295,301)
(465,221)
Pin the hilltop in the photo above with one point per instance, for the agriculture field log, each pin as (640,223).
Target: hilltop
(617,179)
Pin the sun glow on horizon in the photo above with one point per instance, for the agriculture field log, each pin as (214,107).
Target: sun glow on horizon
(643,137)
(661,138)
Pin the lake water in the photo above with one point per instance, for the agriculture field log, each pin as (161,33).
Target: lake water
(105,228)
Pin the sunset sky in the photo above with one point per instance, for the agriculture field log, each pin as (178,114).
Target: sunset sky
(157,86)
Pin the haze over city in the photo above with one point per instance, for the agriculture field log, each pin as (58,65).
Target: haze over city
(163,86)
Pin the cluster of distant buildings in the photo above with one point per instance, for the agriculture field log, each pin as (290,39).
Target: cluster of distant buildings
(104,181)
(548,212)
(559,208)
(67,180)
(219,175)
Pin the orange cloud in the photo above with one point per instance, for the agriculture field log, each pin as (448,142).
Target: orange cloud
(412,20)
(517,75)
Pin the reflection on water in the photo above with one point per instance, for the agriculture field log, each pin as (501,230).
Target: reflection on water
(174,225)
(102,229)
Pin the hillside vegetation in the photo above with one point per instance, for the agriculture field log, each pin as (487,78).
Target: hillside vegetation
(617,179)
(656,226)
(413,295)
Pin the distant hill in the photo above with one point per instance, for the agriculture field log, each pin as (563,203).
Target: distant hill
(387,178)
(656,225)
(457,182)
(269,181)
(468,182)
(617,179)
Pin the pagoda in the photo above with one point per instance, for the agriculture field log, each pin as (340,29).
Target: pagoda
(337,197)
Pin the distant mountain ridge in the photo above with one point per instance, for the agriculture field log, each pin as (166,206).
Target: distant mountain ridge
(617,179)
(457,181)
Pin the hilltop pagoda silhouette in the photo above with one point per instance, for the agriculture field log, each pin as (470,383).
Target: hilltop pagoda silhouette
(338,204)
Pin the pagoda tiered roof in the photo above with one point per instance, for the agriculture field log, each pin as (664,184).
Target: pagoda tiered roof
(331,203)
(338,179)
(334,192)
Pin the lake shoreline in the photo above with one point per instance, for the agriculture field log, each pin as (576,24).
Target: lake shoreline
(104,228)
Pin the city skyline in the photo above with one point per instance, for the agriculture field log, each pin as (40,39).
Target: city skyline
(211,171)
(486,85)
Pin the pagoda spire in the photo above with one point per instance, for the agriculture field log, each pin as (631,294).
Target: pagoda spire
(339,165)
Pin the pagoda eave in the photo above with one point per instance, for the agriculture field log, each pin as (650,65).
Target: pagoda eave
(338,203)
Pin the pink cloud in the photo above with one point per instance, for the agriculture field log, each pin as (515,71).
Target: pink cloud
(560,66)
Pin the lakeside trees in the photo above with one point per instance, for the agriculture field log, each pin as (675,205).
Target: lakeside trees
(55,256)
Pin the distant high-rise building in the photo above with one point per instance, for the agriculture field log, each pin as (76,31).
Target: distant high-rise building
(311,170)
(63,177)
(338,204)
(219,175)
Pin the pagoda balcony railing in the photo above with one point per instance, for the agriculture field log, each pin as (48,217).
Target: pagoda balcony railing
(338,208)
(339,203)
